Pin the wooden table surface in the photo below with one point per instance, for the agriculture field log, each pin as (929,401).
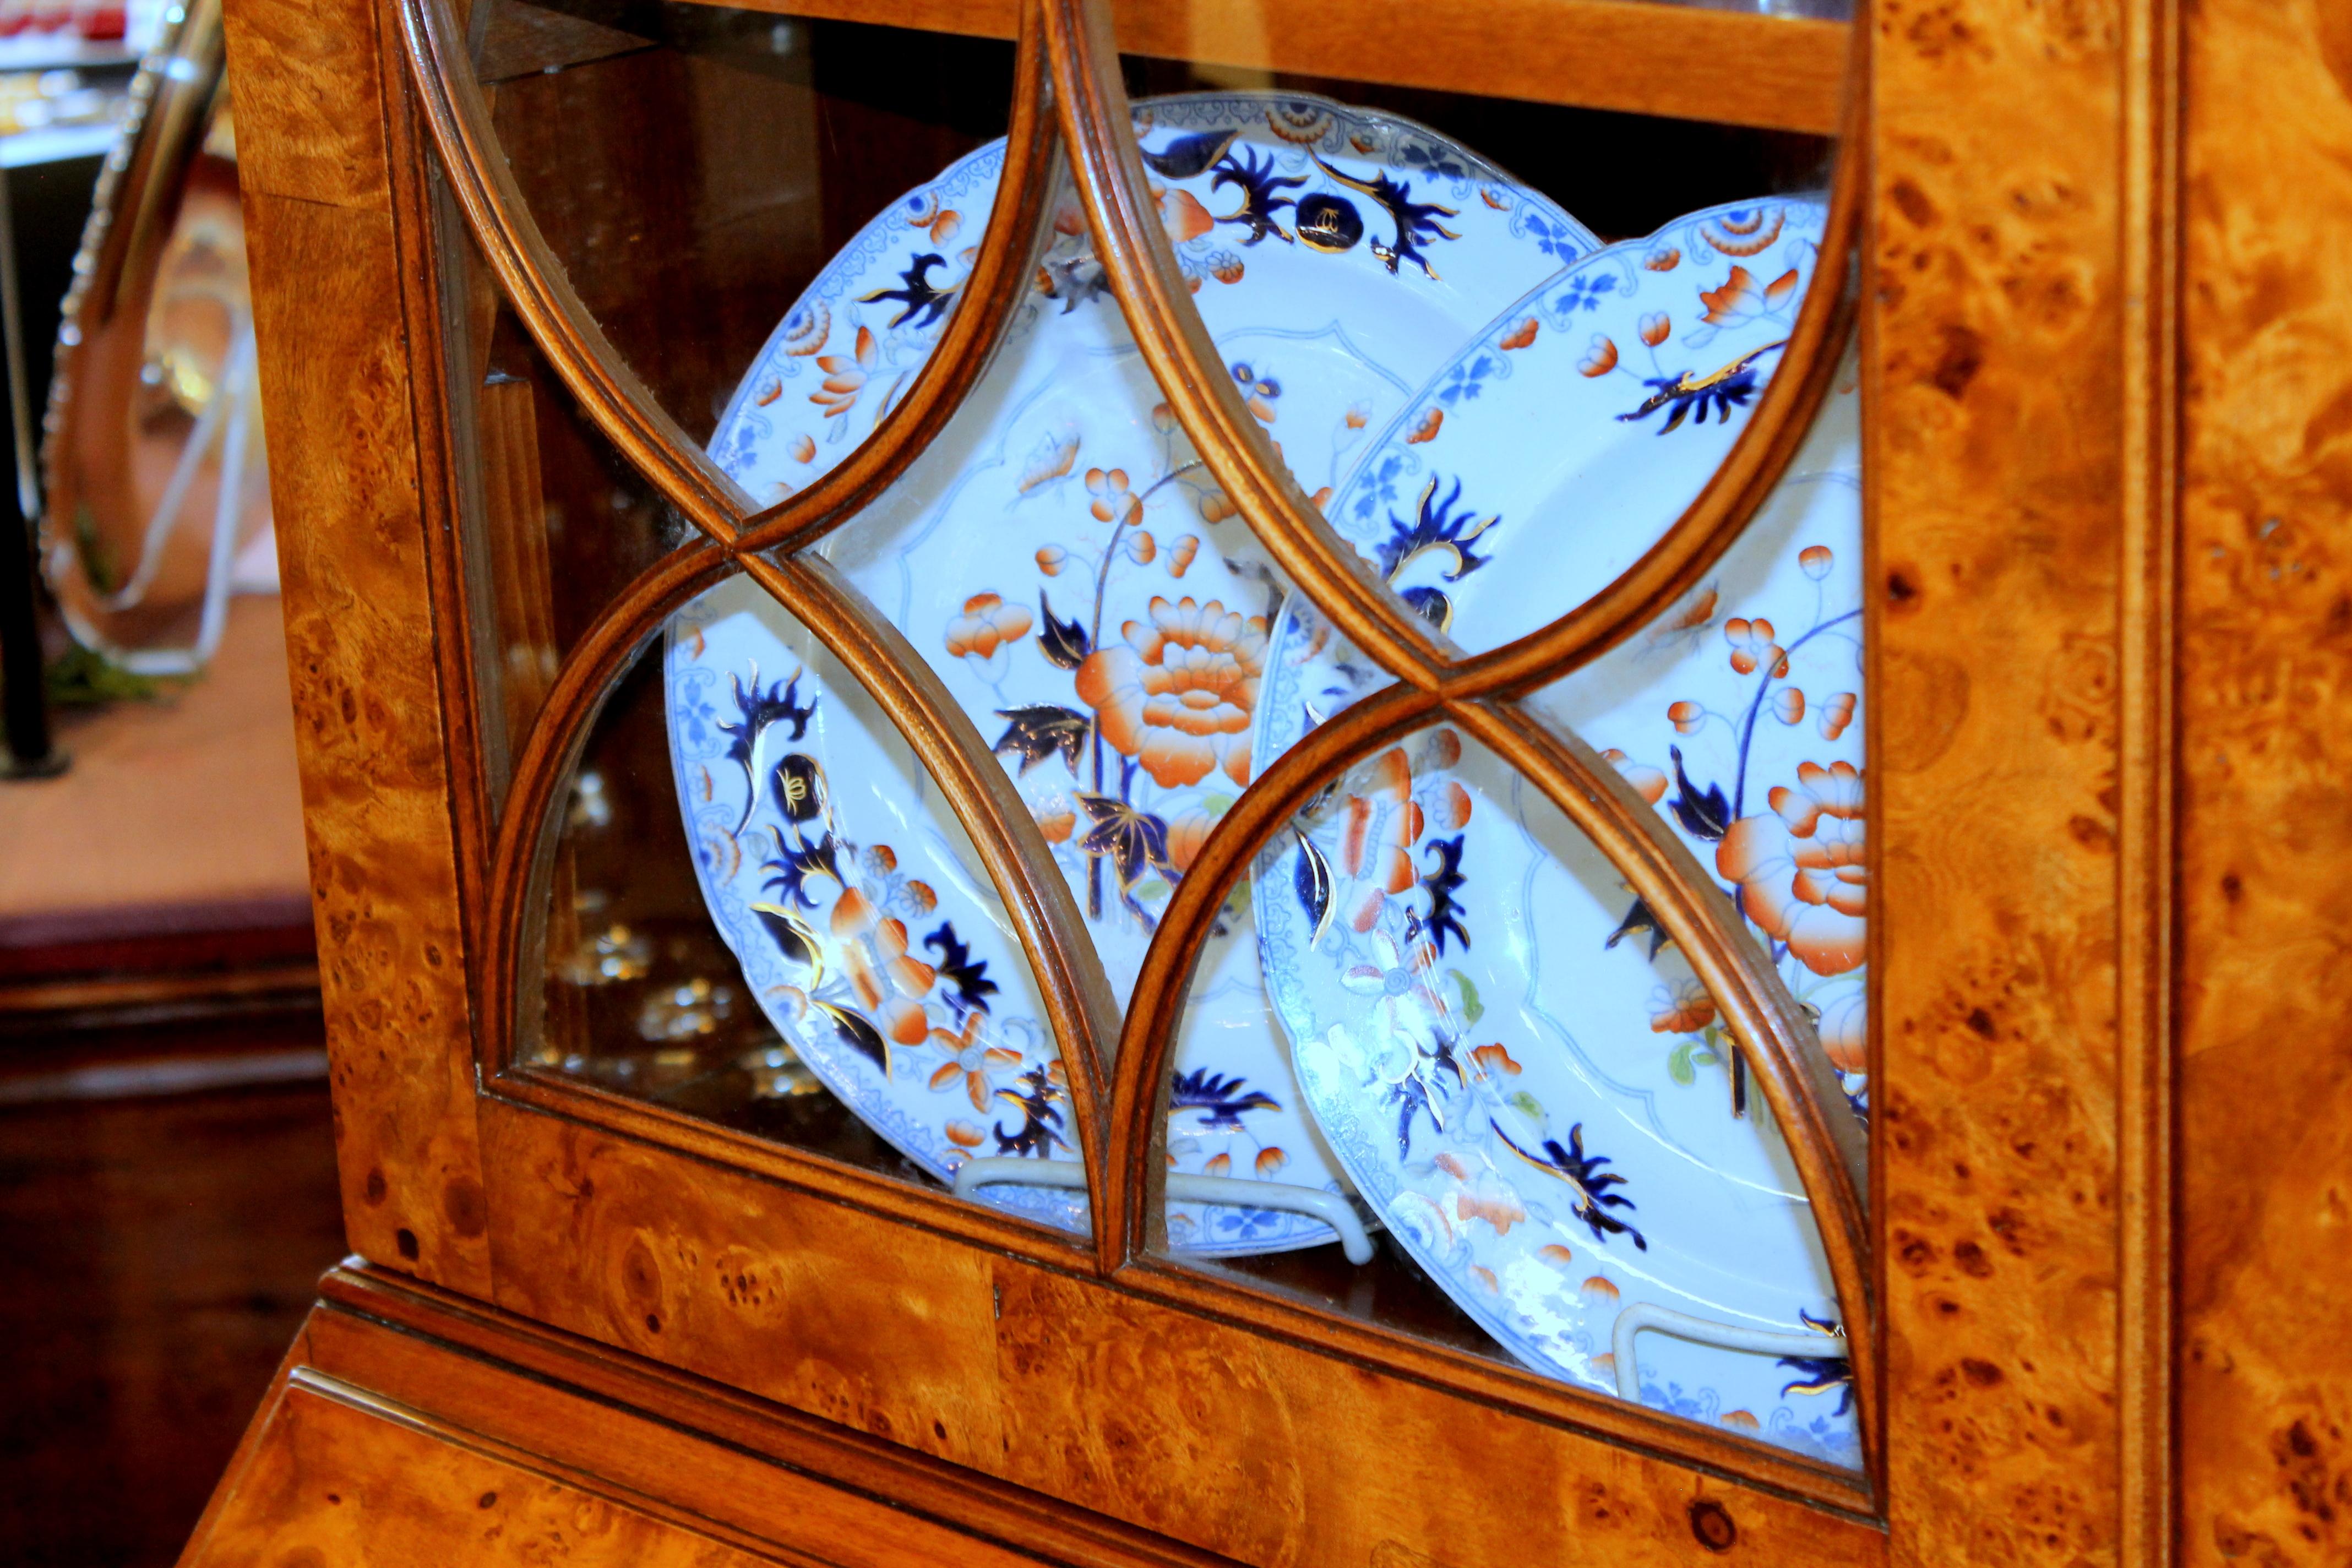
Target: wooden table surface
(191,801)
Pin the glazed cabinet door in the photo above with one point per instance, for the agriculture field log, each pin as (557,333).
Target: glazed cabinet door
(1357,784)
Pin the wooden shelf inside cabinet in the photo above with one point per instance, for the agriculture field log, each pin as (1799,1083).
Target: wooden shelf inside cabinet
(1638,56)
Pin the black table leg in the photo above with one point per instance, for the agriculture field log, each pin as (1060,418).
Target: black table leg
(30,754)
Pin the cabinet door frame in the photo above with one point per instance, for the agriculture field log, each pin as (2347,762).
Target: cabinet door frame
(2021,200)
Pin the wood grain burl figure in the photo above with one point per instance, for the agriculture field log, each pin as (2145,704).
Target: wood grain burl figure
(2090,1257)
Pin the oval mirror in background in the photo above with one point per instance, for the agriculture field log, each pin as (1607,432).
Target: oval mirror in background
(158,500)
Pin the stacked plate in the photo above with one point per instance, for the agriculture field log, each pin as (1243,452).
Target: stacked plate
(1434,1009)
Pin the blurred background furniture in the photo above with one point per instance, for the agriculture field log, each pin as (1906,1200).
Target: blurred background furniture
(166,1180)
(47,175)
(167,1193)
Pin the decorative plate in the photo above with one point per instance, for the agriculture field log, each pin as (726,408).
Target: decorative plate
(845,886)
(1065,561)
(1597,407)
(1523,1081)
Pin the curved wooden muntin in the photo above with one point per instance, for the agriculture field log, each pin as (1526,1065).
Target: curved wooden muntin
(1068,80)
(736,537)
(1434,682)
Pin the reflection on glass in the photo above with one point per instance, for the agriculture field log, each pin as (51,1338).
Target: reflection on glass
(1739,715)
(873,966)
(1069,565)
(1512,1088)
(1565,439)
(692,165)
(865,929)
(1621,176)
(640,995)
(557,522)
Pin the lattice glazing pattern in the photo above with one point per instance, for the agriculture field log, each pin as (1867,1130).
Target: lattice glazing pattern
(1071,123)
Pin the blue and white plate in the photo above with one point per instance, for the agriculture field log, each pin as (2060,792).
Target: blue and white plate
(1087,594)
(1527,1085)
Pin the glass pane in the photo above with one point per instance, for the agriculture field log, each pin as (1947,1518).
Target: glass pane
(1519,1086)
(1065,561)
(759,896)
(1574,434)
(1475,329)
(1739,715)
(557,522)
(693,167)
(1546,1118)
(1618,176)
(1573,393)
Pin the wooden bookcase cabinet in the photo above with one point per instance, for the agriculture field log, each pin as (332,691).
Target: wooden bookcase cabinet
(2086,1296)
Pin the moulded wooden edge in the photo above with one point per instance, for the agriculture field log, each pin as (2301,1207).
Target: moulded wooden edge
(1636,55)
(2147,827)
(797,1437)
(443,450)
(535,284)
(360,1304)
(931,1209)
(1505,1388)
(703,1532)
(568,1151)
(2002,1013)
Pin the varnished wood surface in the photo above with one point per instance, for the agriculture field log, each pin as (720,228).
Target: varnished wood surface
(621,1427)
(337,1477)
(391,1335)
(896,1330)
(328,309)
(401,1408)
(2265,627)
(160,1241)
(1650,59)
(1794,1077)
(2019,766)
(1993,393)
(746,1282)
